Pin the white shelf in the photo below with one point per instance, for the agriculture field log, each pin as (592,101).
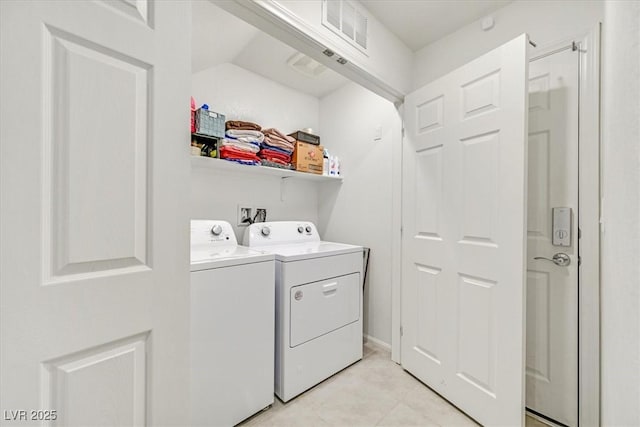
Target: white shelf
(227,166)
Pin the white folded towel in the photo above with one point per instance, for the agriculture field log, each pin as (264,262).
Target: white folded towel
(245,135)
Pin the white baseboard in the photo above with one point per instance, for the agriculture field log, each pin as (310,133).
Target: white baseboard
(376,342)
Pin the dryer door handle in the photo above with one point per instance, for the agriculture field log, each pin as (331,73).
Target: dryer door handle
(330,289)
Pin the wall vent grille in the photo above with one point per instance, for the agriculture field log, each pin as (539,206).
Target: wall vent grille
(347,20)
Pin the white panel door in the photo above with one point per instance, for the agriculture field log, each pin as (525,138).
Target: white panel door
(95,247)
(552,290)
(463,244)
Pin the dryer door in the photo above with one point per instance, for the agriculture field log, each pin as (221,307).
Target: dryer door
(321,307)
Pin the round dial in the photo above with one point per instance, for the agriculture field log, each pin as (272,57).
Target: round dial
(308,228)
(216,230)
(300,229)
(265,231)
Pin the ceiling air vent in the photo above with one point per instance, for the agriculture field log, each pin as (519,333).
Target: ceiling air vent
(346,19)
(305,65)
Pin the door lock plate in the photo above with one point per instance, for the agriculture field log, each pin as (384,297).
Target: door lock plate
(561,227)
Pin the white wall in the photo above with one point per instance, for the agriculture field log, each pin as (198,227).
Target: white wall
(621,212)
(216,195)
(546,22)
(243,95)
(359,211)
(387,57)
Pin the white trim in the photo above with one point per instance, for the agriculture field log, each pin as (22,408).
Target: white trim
(396,241)
(589,223)
(276,20)
(375,341)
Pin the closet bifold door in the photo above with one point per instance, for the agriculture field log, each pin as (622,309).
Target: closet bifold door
(463,239)
(94,171)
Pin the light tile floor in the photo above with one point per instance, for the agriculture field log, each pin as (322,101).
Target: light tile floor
(373,392)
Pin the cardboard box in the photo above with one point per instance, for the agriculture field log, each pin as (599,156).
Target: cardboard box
(307,158)
(301,136)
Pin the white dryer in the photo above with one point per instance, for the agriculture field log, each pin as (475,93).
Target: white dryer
(232,326)
(318,303)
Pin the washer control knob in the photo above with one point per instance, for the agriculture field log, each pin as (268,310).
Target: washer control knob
(265,231)
(308,229)
(216,230)
(300,229)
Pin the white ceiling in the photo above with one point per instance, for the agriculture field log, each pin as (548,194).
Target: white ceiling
(420,22)
(218,37)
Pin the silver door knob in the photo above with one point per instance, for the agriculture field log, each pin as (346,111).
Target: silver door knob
(560,259)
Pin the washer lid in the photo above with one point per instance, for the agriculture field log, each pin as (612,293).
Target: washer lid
(300,251)
(206,257)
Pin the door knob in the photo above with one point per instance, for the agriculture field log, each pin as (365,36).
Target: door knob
(560,259)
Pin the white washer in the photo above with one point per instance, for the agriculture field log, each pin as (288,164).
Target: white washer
(318,303)
(232,326)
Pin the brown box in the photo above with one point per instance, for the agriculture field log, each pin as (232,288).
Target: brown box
(307,158)
(301,136)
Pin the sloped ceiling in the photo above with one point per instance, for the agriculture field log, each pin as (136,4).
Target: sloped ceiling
(218,37)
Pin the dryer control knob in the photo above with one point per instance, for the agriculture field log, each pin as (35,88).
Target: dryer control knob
(308,229)
(216,230)
(265,231)
(300,229)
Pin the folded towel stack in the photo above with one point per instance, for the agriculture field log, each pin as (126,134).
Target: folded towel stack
(277,147)
(239,156)
(240,125)
(241,142)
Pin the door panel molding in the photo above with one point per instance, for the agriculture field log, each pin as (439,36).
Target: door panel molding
(140,11)
(66,381)
(81,147)
(463,218)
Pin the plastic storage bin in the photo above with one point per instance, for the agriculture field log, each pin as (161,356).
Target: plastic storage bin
(209,123)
